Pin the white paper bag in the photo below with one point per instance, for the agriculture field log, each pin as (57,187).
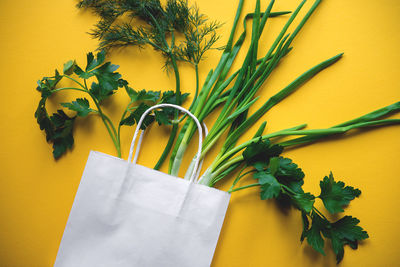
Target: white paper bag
(125,214)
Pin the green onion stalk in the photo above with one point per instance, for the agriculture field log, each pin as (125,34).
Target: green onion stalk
(234,92)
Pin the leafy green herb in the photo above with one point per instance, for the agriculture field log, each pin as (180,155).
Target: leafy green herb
(303,201)
(270,187)
(59,126)
(335,195)
(260,152)
(281,179)
(117,27)
(313,235)
(233,91)
(277,177)
(343,232)
(290,175)
(160,24)
(81,106)
(134,116)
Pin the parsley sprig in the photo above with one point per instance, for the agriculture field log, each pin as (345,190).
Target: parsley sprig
(281,179)
(59,126)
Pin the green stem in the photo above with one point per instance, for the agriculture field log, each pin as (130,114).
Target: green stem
(315,132)
(277,98)
(196,70)
(237,178)
(122,118)
(72,79)
(112,127)
(240,176)
(374,115)
(320,213)
(243,187)
(110,131)
(106,120)
(196,67)
(207,146)
(174,130)
(288,189)
(225,166)
(68,88)
(207,86)
(222,157)
(168,147)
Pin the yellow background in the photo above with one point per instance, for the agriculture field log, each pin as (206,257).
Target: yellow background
(37,192)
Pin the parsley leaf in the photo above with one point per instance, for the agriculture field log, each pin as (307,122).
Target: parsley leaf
(58,128)
(139,112)
(95,62)
(69,67)
(169,97)
(345,231)
(162,118)
(107,77)
(313,235)
(152,96)
(304,201)
(270,187)
(142,95)
(129,121)
(134,117)
(289,174)
(62,138)
(289,170)
(80,105)
(43,119)
(283,180)
(335,195)
(108,81)
(282,173)
(347,228)
(259,153)
(148,99)
(48,84)
(306,225)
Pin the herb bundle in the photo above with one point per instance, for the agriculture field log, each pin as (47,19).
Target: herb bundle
(140,23)
(59,126)
(232,91)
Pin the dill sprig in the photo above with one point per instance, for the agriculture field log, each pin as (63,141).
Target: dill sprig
(147,22)
(200,36)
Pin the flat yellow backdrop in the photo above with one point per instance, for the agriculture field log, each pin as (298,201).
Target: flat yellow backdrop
(37,192)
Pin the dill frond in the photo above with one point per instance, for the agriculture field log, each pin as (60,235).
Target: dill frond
(158,24)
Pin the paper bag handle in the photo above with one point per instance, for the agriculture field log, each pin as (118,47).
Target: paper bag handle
(193,176)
